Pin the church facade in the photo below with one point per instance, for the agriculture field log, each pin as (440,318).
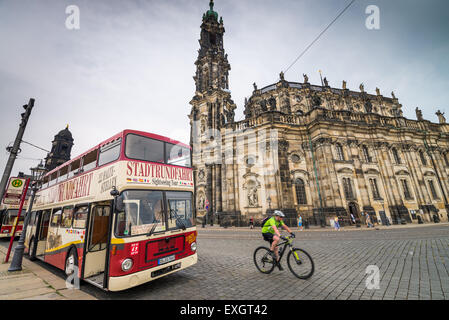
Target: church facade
(310,150)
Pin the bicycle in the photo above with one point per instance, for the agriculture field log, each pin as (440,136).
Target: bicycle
(299,261)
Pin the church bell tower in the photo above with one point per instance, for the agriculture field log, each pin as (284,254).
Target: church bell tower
(60,150)
(212,108)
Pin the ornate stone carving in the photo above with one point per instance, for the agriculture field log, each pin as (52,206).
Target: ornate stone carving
(283,145)
(316,100)
(253,199)
(368,106)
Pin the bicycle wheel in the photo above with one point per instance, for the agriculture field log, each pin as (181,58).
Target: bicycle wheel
(300,263)
(263,260)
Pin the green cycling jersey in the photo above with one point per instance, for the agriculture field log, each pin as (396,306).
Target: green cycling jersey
(268,226)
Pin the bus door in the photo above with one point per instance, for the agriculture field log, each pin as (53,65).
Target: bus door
(42,232)
(97,243)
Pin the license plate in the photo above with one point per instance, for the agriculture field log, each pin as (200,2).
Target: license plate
(166,259)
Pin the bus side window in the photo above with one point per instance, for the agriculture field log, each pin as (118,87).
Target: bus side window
(56,218)
(67,216)
(109,152)
(74,168)
(44,225)
(80,217)
(53,179)
(45,183)
(90,161)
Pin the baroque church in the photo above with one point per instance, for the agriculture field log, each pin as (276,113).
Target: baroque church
(310,150)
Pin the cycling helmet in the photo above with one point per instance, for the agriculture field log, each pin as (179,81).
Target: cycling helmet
(279,213)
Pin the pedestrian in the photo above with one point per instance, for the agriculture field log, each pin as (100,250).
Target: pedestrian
(300,223)
(352,218)
(251,222)
(368,221)
(336,224)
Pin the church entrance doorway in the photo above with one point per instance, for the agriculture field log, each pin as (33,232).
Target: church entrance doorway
(353,209)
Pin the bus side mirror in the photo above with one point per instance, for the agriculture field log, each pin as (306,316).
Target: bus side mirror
(114,192)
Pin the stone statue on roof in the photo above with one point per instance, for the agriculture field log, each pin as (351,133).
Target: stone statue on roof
(306,78)
(441,117)
(419,114)
(344,84)
(362,87)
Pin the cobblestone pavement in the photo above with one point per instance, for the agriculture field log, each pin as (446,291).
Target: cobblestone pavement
(413,264)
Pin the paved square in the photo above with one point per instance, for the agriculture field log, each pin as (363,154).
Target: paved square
(413,264)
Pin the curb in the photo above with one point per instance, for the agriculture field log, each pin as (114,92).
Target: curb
(34,282)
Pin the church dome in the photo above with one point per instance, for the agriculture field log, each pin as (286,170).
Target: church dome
(66,134)
(211,12)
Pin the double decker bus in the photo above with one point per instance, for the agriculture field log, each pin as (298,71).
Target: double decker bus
(120,214)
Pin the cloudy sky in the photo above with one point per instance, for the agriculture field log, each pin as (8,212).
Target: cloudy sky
(130,65)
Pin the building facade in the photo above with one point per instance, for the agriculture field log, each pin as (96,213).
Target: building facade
(310,149)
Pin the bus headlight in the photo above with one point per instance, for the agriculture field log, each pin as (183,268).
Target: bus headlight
(193,246)
(127,264)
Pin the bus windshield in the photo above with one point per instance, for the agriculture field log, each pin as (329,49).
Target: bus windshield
(147,149)
(10,216)
(141,212)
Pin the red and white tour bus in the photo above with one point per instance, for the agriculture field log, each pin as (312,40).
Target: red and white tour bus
(121,214)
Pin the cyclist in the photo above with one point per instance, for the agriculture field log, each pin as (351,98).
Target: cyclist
(270,233)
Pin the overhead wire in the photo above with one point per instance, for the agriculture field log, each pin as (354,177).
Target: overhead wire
(319,36)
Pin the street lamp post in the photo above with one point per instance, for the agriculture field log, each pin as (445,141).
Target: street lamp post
(37,173)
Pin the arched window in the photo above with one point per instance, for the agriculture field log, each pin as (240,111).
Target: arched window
(423,157)
(433,190)
(300,189)
(347,189)
(396,156)
(374,188)
(407,194)
(366,154)
(340,153)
